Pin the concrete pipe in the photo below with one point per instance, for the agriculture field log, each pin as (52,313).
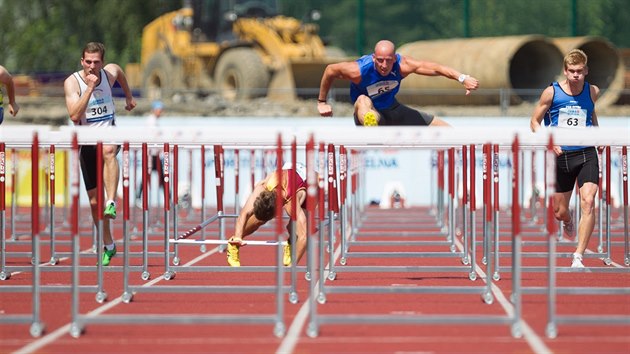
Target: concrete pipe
(605,67)
(524,64)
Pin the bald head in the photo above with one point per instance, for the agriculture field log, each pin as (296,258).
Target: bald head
(384,57)
(384,48)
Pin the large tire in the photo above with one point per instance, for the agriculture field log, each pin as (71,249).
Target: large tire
(161,77)
(241,74)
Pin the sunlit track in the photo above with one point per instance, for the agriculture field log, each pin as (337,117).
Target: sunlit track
(466,263)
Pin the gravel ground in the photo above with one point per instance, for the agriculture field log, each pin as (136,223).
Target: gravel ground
(52,110)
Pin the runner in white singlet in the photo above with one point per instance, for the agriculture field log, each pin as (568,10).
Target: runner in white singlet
(90,102)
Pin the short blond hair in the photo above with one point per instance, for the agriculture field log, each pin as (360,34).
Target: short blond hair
(575,57)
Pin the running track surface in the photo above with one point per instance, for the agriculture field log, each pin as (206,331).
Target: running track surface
(378,225)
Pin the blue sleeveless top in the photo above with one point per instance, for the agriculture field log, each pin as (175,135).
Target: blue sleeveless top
(382,90)
(569,111)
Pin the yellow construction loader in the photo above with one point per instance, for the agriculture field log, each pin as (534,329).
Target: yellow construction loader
(236,48)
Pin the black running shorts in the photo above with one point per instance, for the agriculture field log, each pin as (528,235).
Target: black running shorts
(581,165)
(399,114)
(87,157)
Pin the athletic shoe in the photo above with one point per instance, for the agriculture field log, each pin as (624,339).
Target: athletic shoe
(286,259)
(110,211)
(369,120)
(108,255)
(577,261)
(569,228)
(232,255)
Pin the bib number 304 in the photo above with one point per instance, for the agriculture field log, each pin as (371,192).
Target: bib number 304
(97,111)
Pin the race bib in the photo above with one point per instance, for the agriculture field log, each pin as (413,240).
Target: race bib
(572,117)
(381,87)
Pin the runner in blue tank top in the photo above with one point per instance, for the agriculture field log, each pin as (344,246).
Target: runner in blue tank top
(570,104)
(375,80)
(6,80)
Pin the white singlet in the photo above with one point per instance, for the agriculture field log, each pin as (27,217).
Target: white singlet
(100,111)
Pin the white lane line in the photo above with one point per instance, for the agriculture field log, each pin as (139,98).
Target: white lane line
(534,341)
(613,263)
(87,250)
(292,336)
(53,336)
(58,260)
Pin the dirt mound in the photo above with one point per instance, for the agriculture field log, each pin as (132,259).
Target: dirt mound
(52,110)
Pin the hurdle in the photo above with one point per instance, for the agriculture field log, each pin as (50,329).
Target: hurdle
(54,257)
(49,208)
(53,231)
(604,228)
(146,172)
(624,171)
(552,290)
(146,229)
(182,238)
(4,275)
(511,319)
(174,155)
(353,145)
(15,216)
(219,183)
(293,296)
(79,321)
(467,255)
(530,141)
(220,216)
(36,269)
(552,231)
(37,327)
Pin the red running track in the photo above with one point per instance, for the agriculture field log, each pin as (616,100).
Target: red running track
(404,224)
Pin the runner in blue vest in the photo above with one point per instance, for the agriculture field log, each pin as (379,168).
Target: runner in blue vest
(375,81)
(570,104)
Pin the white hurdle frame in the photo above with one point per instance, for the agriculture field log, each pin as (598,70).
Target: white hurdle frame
(552,289)
(318,294)
(79,321)
(37,327)
(368,138)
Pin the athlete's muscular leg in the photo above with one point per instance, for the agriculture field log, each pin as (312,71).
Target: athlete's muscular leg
(300,226)
(561,205)
(107,235)
(110,171)
(362,106)
(587,218)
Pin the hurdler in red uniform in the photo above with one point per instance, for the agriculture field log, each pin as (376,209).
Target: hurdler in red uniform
(261,207)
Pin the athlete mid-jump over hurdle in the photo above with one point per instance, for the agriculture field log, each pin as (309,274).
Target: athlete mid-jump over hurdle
(261,207)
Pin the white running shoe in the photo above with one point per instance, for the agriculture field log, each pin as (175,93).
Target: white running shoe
(577,261)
